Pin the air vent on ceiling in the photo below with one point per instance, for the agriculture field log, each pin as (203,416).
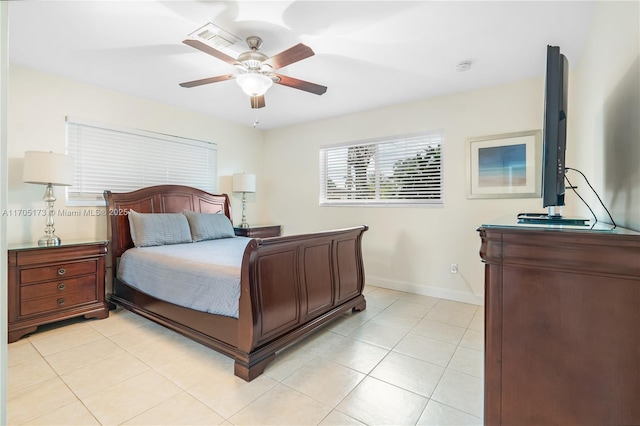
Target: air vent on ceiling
(218,38)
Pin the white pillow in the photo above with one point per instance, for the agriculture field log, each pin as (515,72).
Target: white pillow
(157,229)
(209,226)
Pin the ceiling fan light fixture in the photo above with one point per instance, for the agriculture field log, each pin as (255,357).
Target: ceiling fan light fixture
(254,84)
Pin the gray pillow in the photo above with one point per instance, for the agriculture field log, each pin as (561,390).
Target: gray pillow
(157,229)
(209,226)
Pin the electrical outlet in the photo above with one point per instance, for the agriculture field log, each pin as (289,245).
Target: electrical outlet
(454,268)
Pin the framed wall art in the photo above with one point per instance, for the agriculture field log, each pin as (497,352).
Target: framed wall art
(508,165)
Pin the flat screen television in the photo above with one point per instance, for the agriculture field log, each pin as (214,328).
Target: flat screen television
(554,143)
(555,131)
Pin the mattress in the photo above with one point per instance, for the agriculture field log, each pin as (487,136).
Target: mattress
(203,276)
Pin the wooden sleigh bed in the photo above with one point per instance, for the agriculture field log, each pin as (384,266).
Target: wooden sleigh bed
(289,286)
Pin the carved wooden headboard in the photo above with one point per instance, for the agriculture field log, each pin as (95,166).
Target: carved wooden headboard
(155,199)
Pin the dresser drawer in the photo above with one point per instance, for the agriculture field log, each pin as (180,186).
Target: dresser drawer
(58,302)
(59,287)
(58,271)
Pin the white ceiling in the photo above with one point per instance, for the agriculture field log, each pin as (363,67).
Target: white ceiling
(368,53)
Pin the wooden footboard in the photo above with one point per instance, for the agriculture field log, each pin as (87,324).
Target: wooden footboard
(290,286)
(293,285)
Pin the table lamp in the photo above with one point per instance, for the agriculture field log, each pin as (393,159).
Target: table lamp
(244,182)
(48,168)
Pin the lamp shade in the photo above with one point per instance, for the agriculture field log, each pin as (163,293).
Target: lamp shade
(47,167)
(244,182)
(254,84)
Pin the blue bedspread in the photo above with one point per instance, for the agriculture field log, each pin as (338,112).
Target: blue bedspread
(204,276)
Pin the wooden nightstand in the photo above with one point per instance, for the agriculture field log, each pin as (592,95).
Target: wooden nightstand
(52,283)
(258,231)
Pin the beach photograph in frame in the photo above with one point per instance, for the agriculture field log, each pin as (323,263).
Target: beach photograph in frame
(505,166)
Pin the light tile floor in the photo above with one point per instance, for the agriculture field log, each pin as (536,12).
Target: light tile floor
(406,359)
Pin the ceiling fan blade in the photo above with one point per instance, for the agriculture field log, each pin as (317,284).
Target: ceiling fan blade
(195,83)
(289,56)
(257,102)
(300,84)
(210,50)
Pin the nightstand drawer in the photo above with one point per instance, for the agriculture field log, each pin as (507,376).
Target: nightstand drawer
(58,287)
(58,271)
(53,283)
(56,303)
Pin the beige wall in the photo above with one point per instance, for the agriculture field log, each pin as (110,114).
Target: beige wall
(407,248)
(38,104)
(605,119)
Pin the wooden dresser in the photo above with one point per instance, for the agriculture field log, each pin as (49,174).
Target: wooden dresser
(562,326)
(53,283)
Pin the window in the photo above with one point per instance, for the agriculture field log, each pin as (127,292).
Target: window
(123,160)
(402,171)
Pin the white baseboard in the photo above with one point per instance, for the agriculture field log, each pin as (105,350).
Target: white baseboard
(442,293)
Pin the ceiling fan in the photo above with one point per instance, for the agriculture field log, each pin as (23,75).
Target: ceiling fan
(256,74)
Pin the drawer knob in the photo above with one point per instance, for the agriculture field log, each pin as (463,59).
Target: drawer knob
(61,286)
(60,302)
(62,271)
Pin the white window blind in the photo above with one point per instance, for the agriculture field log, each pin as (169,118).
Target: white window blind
(123,160)
(405,170)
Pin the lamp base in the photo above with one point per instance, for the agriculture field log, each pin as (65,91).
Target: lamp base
(244,223)
(49,240)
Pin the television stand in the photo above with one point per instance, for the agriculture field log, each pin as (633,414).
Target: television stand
(546,219)
(561,309)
